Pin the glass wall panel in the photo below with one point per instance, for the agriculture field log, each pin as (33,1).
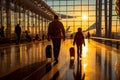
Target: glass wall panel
(62,3)
(74,11)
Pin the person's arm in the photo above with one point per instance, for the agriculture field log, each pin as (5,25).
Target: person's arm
(63,31)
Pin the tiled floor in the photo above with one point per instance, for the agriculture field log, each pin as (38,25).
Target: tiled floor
(28,62)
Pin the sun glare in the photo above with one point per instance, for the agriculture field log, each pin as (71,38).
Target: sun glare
(84,17)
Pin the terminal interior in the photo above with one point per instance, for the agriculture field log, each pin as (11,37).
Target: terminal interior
(27,60)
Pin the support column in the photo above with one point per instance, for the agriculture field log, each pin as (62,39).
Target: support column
(110,19)
(32,23)
(0,13)
(8,19)
(28,25)
(99,15)
(39,24)
(96,15)
(35,24)
(106,20)
(23,23)
(15,14)
(19,15)
(42,25)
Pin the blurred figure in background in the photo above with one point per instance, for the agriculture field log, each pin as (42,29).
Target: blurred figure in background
(18,32)
(37,37)
(28,38)
(2,32)
(88,35)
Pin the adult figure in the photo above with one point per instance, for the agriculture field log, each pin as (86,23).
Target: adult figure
(79,40)
(37,37)
(2,32)
(18,32)
(28,37)
(56,32)
(88,35)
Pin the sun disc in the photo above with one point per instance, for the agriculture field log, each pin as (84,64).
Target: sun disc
(84,17)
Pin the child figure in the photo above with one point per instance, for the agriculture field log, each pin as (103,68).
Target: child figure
(79,40)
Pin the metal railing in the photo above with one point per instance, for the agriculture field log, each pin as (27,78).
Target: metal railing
(108,41)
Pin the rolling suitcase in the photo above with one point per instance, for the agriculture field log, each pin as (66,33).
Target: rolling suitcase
(48,51)
(72,52)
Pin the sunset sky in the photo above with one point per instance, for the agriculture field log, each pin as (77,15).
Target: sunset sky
(83,12)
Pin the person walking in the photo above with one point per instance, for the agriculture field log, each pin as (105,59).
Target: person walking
(79,40)
(18,32)
(2,32)
(56,32)
(88,35)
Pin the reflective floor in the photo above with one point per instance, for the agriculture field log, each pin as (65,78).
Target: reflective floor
(28,62)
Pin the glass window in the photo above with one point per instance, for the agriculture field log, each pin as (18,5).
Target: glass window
(56,3)
(92,1)
(77,3)
(63,2)
(70,8)
(70,2)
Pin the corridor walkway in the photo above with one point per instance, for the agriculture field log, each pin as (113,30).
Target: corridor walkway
(28,62)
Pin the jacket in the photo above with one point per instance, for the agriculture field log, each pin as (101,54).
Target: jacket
(79,38)
(56,29)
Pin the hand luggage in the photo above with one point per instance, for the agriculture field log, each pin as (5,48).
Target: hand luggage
(72,52)
(48,51)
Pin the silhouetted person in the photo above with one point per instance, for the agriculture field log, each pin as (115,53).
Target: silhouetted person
(2,32)
(55,32)
(79,40)
(37,37)
(88,35)
(28,36)
(18,32)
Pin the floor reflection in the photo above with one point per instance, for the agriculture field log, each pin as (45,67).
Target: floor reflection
(72,63)
(79,75)
(104,64)
(17,56)
(48,67)
(55,76)
(98,62)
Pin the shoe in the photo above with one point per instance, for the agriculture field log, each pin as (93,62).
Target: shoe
(56,61)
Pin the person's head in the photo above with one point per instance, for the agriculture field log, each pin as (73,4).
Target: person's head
(56,17)
(79,29)
(18,25)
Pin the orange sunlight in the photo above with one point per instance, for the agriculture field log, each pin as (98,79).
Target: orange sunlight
(85,48)
(84,17)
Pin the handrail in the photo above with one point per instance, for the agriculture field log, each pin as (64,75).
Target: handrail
(108,39)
